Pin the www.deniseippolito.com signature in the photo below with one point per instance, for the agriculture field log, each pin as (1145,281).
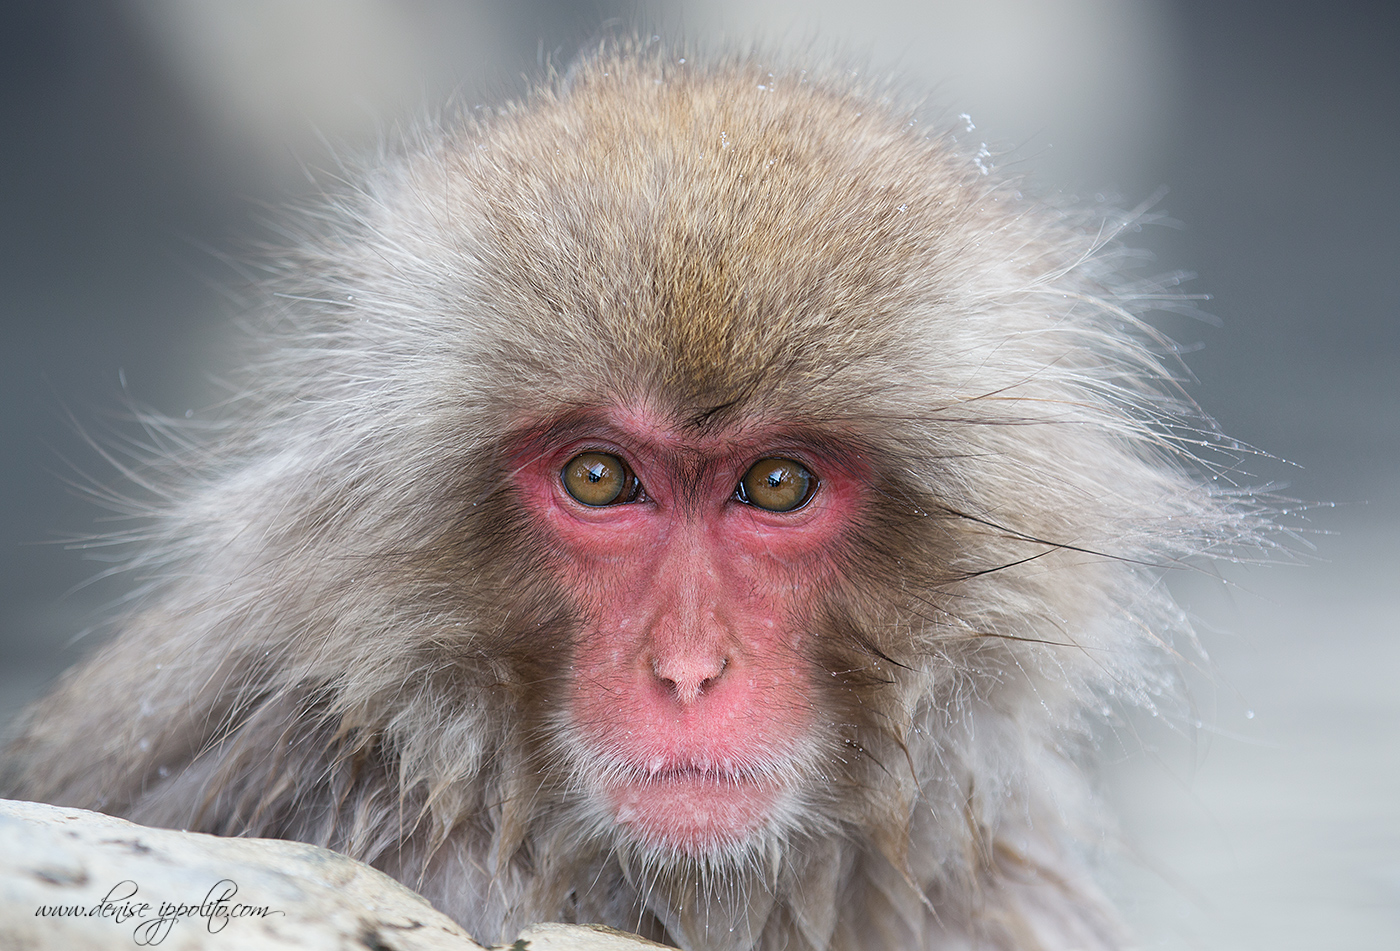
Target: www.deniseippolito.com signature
(155,920)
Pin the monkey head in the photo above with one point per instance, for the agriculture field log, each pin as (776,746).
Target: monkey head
(698,498)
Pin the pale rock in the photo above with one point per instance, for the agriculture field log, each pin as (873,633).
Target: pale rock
(552,936)
(127,882)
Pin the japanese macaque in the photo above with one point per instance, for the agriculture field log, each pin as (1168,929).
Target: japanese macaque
(697,498)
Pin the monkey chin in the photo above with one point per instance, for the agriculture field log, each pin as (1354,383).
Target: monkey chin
(693,811)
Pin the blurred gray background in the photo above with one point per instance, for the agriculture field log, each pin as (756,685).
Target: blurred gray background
(141,141)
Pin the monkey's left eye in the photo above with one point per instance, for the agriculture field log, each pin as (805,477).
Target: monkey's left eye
(599,478)
(778,485)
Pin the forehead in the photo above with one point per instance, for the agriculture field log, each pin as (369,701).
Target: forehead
(705,242)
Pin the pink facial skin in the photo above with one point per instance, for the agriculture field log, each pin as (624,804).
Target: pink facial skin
(692,684)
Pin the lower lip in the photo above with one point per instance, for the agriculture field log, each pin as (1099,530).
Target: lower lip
(692,812)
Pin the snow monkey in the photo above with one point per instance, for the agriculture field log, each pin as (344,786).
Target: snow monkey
(697,498)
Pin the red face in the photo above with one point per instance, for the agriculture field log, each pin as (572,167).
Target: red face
(696,564)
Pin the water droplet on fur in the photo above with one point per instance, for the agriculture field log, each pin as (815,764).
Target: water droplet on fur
(983,159)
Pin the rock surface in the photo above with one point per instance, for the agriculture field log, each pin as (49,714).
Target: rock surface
(73,880)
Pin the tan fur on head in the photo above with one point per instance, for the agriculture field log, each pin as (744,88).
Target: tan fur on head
(353,636)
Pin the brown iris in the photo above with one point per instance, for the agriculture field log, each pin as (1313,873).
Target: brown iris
(778,485)
(599,478)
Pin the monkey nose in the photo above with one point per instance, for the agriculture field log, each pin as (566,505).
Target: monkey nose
(687,678)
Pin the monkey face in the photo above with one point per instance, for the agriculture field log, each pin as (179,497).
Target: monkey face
(696,562)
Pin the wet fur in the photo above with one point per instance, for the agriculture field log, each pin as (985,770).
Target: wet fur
(351,638)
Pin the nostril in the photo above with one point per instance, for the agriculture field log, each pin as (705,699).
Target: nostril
(687,678)
(709,681)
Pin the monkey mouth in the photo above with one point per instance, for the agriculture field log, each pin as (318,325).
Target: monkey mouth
(690,808)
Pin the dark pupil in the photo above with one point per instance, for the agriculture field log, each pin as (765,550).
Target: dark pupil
(596,472)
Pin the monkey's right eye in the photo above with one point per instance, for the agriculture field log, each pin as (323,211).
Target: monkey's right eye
(598,478)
